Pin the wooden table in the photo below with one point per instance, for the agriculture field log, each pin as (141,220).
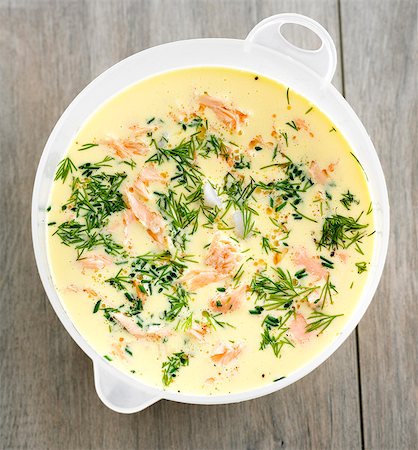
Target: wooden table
(366,394)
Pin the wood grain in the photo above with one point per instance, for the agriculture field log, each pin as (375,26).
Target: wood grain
(382,40)
(49,50)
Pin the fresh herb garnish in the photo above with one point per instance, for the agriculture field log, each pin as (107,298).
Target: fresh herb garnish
(242,163)
(158,271)
(93,200)
(87,146)
(292,125)
(179,300)
(239,195)
(89,168)
(348,199)
(73,233)
(279,293)
(326,262)
(175,209)
(185,324)
(274,333)
(212,320)
(96,306)
(289,188)
(119,281)
(65,167)
(187,174)
(327,291)
(283,134)
(257,310)
(321,321)
(172,366)
(361,267)
(341,232)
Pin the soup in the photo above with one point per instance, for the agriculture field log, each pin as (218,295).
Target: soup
(210,231)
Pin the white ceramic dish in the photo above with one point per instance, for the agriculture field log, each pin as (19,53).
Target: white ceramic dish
(265,52)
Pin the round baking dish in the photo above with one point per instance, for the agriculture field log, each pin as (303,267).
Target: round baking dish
(265,52)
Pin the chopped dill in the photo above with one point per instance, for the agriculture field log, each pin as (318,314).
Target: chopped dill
(238,274)
(87,146)
(212,320)
(274,333)
(131,163)
(188,173)
(297,215)
(359,163)
(179,216)
(341,232)
(266,246)
(292,125)
(321,321)
(179,300)
(327,291)
(185,324)
(171,367)
(242,163)
(295,183)
(65,167)
(283,134)
(158,271)
(280,292)
(119,281)
(348,199)
(89,168)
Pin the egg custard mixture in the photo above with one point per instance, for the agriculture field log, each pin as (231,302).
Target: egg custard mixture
(210,231)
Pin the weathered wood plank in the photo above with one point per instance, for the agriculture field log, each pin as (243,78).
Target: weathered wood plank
(49,51)
(381,38)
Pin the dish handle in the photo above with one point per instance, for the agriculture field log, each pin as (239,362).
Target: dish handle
(323,61)
(116,393)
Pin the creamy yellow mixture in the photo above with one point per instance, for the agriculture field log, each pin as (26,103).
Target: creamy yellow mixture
(210,231)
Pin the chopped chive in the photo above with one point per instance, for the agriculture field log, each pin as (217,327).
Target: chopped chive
(257,310)
(326,262)
(301,274)
(96,306)
(361,267)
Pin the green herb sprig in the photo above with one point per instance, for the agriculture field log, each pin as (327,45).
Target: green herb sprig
(172,366)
